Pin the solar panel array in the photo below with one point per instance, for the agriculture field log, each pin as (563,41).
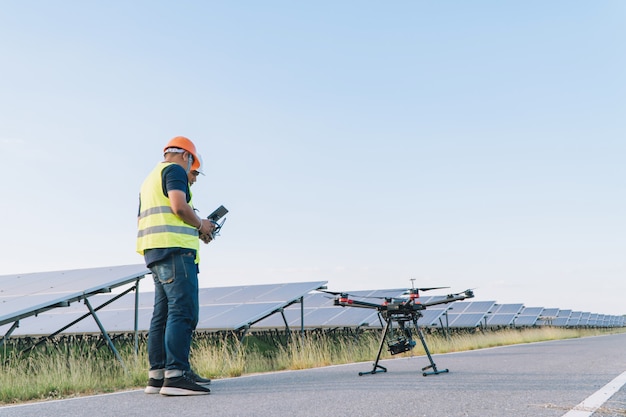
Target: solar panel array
(322,313)
(24,295)
(221,308)
(42,303)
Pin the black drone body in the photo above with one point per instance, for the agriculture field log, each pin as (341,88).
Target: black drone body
(405,310)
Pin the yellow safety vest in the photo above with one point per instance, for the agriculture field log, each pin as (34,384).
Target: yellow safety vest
(158,226)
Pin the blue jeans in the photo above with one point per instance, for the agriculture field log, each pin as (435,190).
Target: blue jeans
(175,314)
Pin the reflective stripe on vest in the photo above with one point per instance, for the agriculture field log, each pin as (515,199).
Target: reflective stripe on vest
(158,226)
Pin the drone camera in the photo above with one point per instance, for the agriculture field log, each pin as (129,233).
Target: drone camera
(401,345)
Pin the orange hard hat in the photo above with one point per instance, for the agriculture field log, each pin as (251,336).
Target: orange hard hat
(184,143)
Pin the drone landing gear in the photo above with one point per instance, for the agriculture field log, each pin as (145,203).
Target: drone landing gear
(377,368)
(403,345)
(432,365)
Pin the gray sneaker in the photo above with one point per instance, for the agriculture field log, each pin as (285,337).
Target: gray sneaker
(182,385)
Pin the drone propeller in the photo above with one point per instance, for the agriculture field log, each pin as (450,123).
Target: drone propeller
(333,292)
(344,299)
(346,294)
(425,289)
(411,293)
(466,292)
(341,297)
(414,293)
(469,293)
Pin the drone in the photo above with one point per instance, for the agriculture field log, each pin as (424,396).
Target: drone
(403,310)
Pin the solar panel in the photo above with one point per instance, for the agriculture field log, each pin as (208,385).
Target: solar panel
(257,293)
(505,319)
(431,316)
(560,321)
(459,307)
(528,316)
(236,308)
(114,321)
(574,318)
(584,319)
(548,316)
(527,320)
(508,308)
(572,321)
(220,308)
(564,313)
(531,311)
(318,308)
(116,317)
(292,315)
(466,320)
(479,307)
(351,316)
(471,307)
(321,317)
(232,317)
(25,295)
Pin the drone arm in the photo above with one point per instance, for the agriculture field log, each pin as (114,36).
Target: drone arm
(347,302)
(450,298)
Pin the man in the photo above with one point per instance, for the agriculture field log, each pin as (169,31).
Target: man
(168,238)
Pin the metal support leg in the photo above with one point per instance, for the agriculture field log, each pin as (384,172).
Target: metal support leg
(377,368)
(136,318)
(15,325)
(302,317)
(104,334)
(287,329)
(243,334)
(430,358)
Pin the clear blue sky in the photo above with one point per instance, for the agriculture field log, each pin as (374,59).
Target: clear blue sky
(466,144)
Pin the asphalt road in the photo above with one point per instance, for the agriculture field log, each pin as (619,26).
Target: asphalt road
(539,379)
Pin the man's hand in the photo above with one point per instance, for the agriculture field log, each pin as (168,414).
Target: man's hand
(206,230)
(205,238)
(207,227)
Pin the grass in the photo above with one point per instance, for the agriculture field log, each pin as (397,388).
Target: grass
(75,367)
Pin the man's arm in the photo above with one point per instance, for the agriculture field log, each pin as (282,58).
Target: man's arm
(180,207)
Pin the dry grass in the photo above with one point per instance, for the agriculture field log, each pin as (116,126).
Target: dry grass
(70,369)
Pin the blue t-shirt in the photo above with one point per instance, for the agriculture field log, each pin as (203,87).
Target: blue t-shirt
(173,177)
